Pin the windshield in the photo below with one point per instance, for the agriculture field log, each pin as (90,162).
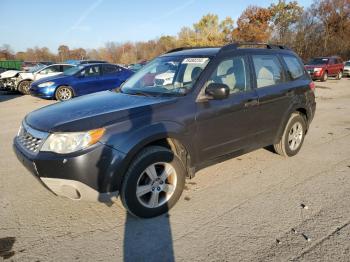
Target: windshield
(73,70)
(318,61)
(347,63)
(174,75)
(36,68)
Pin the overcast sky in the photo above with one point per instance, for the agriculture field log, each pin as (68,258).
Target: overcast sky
(91,23)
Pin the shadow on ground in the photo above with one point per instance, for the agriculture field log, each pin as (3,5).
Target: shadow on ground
(8,95)
(6,245)
(148,239)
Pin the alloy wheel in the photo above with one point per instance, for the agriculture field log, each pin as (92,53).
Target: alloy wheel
(64,93)
(25,87)
(295,136)
(156,185)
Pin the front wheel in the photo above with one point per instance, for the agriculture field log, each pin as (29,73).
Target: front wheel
(340,75)
(64,93)
(293,136)
(24,86)
(153,183)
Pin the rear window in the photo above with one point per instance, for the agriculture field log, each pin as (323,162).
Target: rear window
(295,68)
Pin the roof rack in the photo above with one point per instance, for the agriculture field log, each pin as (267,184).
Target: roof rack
(232,46)
(190,47)
(251,44)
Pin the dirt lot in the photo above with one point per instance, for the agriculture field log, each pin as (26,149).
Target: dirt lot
(244,209)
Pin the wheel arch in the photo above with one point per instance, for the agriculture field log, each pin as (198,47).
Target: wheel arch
(22,80)
(295,108)
(168,140)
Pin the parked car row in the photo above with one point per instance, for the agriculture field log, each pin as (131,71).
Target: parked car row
(65,81)
(320,68)
(20,80)
(80,80)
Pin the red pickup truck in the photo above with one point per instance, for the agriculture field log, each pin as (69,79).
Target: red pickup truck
(320,68)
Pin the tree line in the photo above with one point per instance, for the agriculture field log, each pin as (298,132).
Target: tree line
(322,29)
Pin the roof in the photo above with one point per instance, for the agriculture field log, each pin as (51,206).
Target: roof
(92,64)
(210,51)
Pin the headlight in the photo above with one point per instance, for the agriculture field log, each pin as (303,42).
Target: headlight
(317,69)
(64,143)
(46,84)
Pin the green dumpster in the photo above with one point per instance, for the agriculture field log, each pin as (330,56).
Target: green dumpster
(11,64)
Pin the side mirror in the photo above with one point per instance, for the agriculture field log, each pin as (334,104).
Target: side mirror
(217,91)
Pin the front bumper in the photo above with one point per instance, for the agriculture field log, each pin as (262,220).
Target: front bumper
(88,175)
(43,92)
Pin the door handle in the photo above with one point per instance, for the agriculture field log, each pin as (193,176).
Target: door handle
(251,102)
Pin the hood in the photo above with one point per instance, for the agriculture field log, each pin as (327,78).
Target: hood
(9,73)
(92,111)
(51,78)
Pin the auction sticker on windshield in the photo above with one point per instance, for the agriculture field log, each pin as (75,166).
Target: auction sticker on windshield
(195,60)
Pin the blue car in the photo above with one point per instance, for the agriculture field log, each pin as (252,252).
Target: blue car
(80,80)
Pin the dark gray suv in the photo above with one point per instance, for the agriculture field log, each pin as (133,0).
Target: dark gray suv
(183,111)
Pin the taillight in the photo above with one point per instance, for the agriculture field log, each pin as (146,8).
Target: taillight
(312,86)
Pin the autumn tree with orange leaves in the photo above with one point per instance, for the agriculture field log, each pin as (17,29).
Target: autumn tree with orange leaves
(253,25)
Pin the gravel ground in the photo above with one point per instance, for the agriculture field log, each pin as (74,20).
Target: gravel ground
(257,207)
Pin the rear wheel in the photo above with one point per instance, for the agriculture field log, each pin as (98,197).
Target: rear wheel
(24,86)
(293,136)
(324,76)
(153,183)
(64,93)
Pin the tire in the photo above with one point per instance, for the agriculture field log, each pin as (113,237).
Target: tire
(64,93)
(138,178)
(339,75)
(24,86)
(292,138)
(324,77)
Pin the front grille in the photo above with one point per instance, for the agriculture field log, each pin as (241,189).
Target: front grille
(30,142)
(31,139)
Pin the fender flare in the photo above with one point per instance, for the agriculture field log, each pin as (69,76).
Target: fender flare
(293,108)
(145,136)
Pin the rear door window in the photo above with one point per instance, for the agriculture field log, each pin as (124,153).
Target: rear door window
(268,70)
(294,67)
(110,69)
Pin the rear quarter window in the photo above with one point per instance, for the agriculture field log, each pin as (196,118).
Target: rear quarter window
(294,67)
